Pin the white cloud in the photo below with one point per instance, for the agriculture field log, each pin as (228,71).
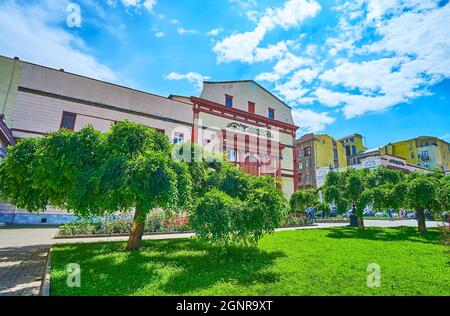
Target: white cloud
(327,97)
(267,76)
(244,3)
(418,47)
(149,5)
(193,77)
(271,51)
(157,32)
(293,89)
(183,31)
(32,33)
(130,3)
(242,46)
(214,32)
(309,121)
(289,63)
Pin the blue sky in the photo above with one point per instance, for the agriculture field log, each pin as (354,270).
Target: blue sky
(380,68)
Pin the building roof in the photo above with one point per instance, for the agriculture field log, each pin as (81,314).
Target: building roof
(248,81)
(352,135)
(418,137)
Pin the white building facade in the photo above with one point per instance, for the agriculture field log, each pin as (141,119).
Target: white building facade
(240,118)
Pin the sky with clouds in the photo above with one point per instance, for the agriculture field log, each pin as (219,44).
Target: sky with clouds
(380,68)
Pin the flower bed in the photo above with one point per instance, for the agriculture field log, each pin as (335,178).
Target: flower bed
(157,221)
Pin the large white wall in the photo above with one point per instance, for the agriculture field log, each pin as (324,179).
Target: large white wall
(246,91)
(44,94)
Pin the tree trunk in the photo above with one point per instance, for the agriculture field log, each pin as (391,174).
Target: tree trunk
(421,219)
(360,222)
(137,230)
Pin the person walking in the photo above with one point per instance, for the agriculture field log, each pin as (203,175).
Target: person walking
(391,215)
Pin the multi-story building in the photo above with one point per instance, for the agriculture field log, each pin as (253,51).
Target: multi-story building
(353,145)
(241,118)
(372,159)
(426,151)
(315,152)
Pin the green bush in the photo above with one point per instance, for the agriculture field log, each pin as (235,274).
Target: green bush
(79,227)
(154,221)
(214,216)
(223,219)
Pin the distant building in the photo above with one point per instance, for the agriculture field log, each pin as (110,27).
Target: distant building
(314,152)
(353,145)
(425,151)
(372,159)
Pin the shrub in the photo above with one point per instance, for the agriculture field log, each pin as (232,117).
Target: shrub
(215,215)
(79,227)
(154,221)
(265,210)
(177,222)
(221,218)
(114,226)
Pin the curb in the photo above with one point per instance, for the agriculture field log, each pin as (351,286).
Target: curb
(119,235)
(45,285)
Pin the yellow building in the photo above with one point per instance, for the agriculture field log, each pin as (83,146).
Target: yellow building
(315,151)
(329,152)
(426,151)
(353,145)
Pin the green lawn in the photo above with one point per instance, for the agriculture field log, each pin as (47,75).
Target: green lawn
(304,262)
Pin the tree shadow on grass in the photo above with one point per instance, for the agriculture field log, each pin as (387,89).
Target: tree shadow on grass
(177,267)
(432,236)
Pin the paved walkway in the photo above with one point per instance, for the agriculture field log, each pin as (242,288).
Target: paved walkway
(23,258)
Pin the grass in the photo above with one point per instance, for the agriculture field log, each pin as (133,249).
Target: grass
(304,262)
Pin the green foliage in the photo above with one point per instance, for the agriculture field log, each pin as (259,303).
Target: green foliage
(443,194)
(91,173)
(215,216)
(421,192)
(225,214)
(19,183)
(302,199)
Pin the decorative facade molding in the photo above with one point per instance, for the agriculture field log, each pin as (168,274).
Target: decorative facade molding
(250,129)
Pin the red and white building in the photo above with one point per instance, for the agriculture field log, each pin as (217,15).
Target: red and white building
(241,118)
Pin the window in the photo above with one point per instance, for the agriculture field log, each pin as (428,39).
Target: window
(300,165)
(68,120)
(178,138)
(307,151)
(411,155)
(299,153)
(271,114)
(347,150)
(426,165)
(353,150)
(424,154)
(228,101)
(307,163)
(251,107)
(335,154)
(231,155)
(410,146)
